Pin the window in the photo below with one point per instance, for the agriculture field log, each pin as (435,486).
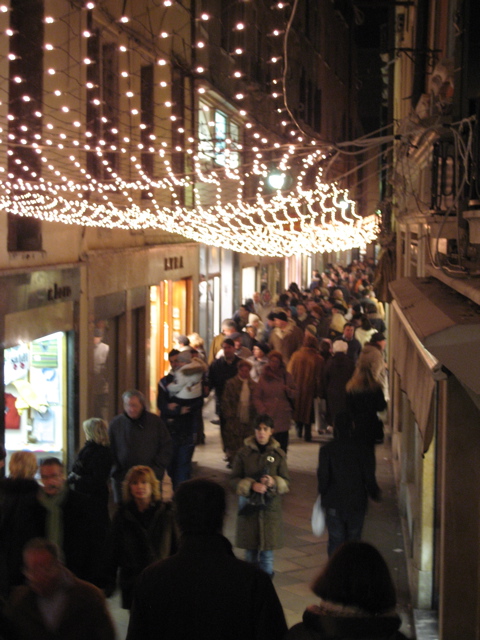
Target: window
(219,137)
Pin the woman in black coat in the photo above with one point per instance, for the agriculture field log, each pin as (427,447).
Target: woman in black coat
(365,400)
(357,599)
(142,532)
(91,470)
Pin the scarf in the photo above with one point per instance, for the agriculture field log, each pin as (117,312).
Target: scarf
(54,523)
(244,403)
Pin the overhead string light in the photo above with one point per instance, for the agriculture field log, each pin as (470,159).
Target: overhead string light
(311,216)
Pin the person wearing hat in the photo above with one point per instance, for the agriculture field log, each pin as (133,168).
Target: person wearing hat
(286,337)
(258,360)
(337,322)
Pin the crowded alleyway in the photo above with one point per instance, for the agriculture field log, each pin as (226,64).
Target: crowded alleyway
(303,555)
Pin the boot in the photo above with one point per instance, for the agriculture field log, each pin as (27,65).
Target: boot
(299,429)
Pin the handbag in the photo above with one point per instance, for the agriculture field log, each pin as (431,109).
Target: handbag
(318,518)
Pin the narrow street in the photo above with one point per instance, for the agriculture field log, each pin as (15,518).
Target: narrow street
(304,554)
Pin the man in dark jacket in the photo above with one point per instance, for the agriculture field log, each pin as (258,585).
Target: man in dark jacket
(346,478)
(137,437)
(221,370)
(204,591)
(63,516)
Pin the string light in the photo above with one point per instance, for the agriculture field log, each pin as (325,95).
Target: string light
(303,220)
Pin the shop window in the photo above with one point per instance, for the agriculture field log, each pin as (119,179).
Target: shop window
(35,381)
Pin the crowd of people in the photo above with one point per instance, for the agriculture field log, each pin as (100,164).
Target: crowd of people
(313,359)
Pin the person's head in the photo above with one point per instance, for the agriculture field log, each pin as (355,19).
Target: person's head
(325,347)
(316,311)
(301,309)
(52,476)
(251,330)
(348,331)
(196,341)
(379,340)
(23,465)
(237,340)
(264,427)
(243,312)
(140,484)
(228,327)
(96,429)
(228,347)
(275,360)
(42,566)
(134,403)
(97,336)
(339,346)
(182,341)
(310,341)
(200,506)
(357,575)
(365,323)
(173,359)
(281,319)
(256,297)
(266,296)
(243,368)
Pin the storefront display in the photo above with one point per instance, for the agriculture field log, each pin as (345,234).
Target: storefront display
(35,395)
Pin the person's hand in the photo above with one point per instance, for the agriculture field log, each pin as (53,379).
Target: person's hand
(268,481)
(184,410)
(258,487)
(172,406)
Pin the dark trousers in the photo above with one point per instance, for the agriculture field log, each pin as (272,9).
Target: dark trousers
(180,467)
(343,526)
(282,438)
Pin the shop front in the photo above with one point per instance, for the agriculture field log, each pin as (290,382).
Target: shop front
(38,316)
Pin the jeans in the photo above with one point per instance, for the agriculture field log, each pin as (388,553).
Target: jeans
(180,467)
(262,559)
(343,526)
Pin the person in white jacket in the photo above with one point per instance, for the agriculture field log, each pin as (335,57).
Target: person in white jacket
(185,404)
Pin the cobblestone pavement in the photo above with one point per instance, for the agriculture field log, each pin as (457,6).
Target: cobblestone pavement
(304,555)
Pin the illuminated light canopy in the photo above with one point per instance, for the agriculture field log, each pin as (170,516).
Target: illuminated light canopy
(305,216)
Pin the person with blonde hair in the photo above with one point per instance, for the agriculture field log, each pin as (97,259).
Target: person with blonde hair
(18,489)
(23,465)
(365,400)
(92,467)
(142,531)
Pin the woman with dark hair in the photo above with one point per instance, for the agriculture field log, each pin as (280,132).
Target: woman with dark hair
(260,476)
(142,531)
(357,599)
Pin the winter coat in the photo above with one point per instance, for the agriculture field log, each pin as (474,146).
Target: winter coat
(271,398)
(84,614)
(14,492)
(218,373)
(346,475)
(143,441)
(364,335)
(136,539)
(287,340)
(204,591)
(258,365)
(262,529)
(235,431)
(363,406)
(90,475)
(345,623)
(187,380)
(306,367)
(338,371)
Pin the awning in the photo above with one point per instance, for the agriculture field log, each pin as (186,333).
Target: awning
(446,323)
(446,332)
